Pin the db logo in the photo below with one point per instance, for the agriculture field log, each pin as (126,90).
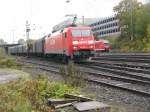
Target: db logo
(52,42)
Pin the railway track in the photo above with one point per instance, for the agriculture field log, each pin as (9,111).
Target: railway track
(124,54)
(122,59)
(121,67)
(121,64)
(119,78)
(133,85)
(137,66)
(143,93)
(120,72)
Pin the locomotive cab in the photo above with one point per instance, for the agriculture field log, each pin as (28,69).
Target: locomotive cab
(82,42)
(71,42)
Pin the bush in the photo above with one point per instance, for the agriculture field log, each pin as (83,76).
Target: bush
(138,44)
(31,95)
(9,63)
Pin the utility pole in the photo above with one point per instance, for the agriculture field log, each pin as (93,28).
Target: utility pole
(27,30)
(27,35)
(83,20)
(131,13)
(13,34)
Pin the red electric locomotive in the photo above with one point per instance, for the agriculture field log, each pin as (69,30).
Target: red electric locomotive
(71,42)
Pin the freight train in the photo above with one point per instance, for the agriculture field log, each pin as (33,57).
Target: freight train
(69,43)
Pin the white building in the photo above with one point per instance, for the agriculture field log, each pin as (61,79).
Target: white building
(106,27)
(146,1)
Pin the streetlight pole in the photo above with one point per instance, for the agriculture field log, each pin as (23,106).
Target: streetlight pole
(83,20)
(131,12)
(27,30)
(13,34)
(27,35)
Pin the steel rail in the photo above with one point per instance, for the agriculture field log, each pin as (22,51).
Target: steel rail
(122,73)
(113,66)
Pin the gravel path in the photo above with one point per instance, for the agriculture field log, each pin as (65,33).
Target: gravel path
(7,75)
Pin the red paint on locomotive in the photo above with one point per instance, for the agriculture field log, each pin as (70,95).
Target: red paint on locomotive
(71,42)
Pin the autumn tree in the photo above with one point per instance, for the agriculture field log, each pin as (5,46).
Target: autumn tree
(142,21)
(134,21)
(127,10)
(147,39)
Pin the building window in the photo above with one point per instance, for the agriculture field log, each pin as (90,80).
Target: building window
(116,30)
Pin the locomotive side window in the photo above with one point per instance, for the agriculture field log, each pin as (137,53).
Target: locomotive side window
(65,35)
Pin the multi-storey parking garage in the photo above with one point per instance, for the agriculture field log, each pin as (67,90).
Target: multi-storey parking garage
(106,27)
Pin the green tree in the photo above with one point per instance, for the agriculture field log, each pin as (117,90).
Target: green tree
(134,20)
(2,41)
(147,40)
(126,10)
(148,31)
(142,21)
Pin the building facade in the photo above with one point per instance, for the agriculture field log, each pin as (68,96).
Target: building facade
(146,1)
(106,27)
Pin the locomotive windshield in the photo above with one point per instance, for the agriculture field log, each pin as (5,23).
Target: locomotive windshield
(81,33)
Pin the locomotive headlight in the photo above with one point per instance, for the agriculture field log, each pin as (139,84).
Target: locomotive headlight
(91,46)
(75,42)
(91,42)
(75,47)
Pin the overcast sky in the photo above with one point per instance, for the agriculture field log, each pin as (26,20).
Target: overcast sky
(44,14)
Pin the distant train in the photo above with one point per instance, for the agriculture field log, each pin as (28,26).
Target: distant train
(102,46)
(69,43)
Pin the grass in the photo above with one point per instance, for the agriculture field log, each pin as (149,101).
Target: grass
(9,63)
